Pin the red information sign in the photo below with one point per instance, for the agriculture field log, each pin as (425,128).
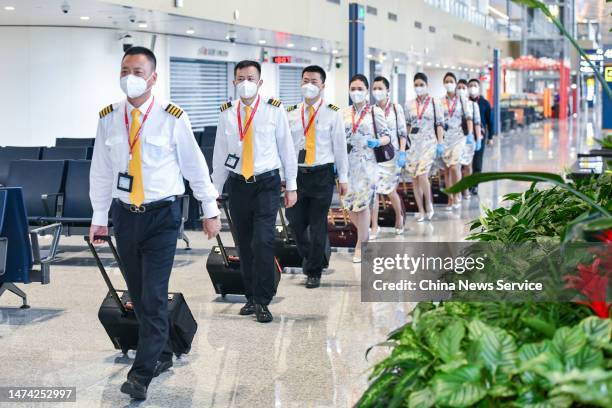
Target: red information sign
(281,59)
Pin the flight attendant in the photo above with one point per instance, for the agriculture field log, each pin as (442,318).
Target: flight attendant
(365,128)
(252,144)
(425,120)
(319,140)
(486,123)
(389,172)
(468,151)
(457,114)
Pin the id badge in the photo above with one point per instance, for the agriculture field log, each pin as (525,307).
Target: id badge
(302,156)
(414,130)
(124,182)
(231,161)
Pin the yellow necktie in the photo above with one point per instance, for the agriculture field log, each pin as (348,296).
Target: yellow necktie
(310,138)
(137,194)
(247,146)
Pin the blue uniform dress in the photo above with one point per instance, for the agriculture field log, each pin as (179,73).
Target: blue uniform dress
(363,169)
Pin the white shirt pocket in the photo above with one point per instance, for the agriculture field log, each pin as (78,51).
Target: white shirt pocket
(157,148)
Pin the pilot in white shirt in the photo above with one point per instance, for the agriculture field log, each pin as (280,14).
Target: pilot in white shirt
(144,147)
(252,145)
(320,143)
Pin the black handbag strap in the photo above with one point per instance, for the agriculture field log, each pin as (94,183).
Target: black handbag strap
(396,126)
(433,105)
(109,284)
(374,124)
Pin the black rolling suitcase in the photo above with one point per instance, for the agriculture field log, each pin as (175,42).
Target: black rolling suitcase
(285,247)
(223,264)
(119,320)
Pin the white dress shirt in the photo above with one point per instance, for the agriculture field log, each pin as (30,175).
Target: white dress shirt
(330,140)
(169,152)
(272,143)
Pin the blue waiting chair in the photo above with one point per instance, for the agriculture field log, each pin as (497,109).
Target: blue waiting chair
(21,259)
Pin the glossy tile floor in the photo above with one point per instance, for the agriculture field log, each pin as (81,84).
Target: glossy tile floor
(312,355)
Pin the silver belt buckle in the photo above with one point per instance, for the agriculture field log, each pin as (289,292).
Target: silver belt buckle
(250,182)
(137,209)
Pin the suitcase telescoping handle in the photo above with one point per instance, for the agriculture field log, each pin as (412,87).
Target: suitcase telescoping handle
(223,198)
(344,210)
(282,220)
(109,284)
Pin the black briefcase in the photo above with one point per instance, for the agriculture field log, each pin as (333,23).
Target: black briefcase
(223,264)
(119,320)
(285,247)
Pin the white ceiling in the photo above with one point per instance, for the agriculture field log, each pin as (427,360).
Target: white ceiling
(127,19)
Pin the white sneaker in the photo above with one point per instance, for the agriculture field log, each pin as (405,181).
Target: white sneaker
(399,231)
(430,214)
(457,205)
(356,259)
(373,236)
(420,218)
(448,208)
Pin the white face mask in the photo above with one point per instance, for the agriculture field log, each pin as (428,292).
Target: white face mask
(462,92)
(133,86)
(420,90)
(380,94)
(310,91)
(474,91)
(247,89)
(358,96)
(450,86)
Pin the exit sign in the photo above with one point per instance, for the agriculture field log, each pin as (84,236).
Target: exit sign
(281,60)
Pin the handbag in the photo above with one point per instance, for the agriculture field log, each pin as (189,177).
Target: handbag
(382,153)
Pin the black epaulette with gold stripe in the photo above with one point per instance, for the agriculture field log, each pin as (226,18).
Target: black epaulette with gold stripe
(226,106)
(106,111)
(333,107)
(291,108)
(274,102)
(174,110)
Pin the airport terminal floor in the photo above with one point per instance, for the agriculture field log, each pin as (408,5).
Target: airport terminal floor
(311,355)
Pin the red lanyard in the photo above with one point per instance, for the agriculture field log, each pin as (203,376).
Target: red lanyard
(388,108)
(420,115)
(127,126)
(249,120)
(451,110)
(363,113)
(306,128)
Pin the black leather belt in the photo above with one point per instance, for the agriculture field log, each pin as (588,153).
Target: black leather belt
(254,179)
(315,169)
(143,208)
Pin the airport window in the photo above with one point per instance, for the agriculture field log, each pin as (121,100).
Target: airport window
(418,24)
(289,85)
(372,10)
(199,87)
(432,29)
(392,16)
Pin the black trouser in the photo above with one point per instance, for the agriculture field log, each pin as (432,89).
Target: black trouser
(308,217)
(253,208)
(146,243)
(477,160)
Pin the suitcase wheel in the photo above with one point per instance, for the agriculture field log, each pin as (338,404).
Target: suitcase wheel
(124,351)
(223,295)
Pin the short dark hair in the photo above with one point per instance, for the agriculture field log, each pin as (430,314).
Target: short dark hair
(247,63)
(317,69)
(449,74)
(462,81)
(383,80)
(142,51)
(421,76)
(360,77)
(474,80)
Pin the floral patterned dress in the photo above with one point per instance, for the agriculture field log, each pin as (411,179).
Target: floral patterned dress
(454,139)
(389,172)
(363,169)
(420,115)
(468,151)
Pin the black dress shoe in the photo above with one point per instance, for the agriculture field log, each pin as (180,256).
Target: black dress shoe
(313,282)
(248,308)
(161,366)
(134,389)
(263,314)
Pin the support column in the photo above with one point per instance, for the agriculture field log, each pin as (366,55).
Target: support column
(356,39)
(496,81)
(564,73)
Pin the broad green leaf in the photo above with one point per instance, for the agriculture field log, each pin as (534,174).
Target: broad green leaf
(529,352)
(448,345)
(497,350)
(501,391)
(459,388)
(591,387)
(476,329)
(588,376)
(597,330)
(540,325)
(559,401)
(567,342)
(421,399)
(587,357)
(452,365)
(374,395)
(403,388)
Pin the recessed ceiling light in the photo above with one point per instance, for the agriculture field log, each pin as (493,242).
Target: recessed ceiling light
(9,8)
(262,42)
(453,67)
(437,65)
(313,48)
(445,66)
(419,62)
(142,24)
(334,52)
(429,64)
(290,45)
(396,59)
(84,18)
(190,31)
(369,56)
